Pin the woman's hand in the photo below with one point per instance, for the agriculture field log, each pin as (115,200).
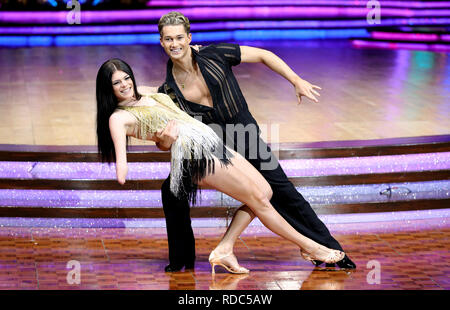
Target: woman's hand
(121,172)
(167,136)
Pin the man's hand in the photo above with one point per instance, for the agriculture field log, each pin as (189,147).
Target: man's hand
(304,88)
(167,136)
(147,90)
(196,47)
(146,101)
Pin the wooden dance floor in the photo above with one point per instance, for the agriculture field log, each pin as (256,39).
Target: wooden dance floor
(409,257)
(48,94)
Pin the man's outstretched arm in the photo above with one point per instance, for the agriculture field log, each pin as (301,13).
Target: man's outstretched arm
(276,64)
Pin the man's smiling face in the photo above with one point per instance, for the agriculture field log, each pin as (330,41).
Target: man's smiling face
(175,41)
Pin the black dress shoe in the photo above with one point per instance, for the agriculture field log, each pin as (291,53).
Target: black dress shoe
(346,263)
(175,268)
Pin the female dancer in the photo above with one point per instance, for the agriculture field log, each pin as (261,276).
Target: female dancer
(198,157)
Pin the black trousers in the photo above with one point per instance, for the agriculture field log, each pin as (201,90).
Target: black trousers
(286,200)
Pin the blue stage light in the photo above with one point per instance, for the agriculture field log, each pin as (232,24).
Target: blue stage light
(53,3)
(153,38)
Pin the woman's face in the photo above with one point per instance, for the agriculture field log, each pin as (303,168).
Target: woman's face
(122,85)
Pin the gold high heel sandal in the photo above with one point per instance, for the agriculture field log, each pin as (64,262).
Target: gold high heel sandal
(213,260)
(332,258)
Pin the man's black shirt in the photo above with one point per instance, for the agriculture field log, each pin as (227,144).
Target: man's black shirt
(229,105)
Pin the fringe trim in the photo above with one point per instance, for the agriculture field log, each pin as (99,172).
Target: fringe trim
(194,170)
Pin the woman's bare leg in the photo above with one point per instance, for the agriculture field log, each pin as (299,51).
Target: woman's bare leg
(234,181)
(241,219)
(243,215)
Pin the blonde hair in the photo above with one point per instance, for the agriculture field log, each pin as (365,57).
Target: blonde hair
(174,18)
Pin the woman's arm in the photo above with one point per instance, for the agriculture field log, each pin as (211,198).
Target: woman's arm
(117,127)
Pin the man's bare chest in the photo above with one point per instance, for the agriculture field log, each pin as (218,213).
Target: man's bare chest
(196,90)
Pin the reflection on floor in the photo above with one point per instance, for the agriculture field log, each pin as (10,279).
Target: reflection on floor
(408,254)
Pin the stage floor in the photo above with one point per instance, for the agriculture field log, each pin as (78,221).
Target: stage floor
(408,255)
(48,93)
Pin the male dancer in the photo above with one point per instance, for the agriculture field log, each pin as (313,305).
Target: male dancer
(202,84)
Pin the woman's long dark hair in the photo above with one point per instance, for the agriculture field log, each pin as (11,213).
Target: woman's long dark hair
(107,103)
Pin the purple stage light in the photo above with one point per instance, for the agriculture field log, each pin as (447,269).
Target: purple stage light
(337,223)
(226,25)
(81,170)
(61,30)
(316,195)
(292,167)
(213,13)
(405,36)
(95,198)
(400,45)
(211,3)
(445,37)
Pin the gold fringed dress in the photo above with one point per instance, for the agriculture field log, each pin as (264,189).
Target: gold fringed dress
(193,152)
